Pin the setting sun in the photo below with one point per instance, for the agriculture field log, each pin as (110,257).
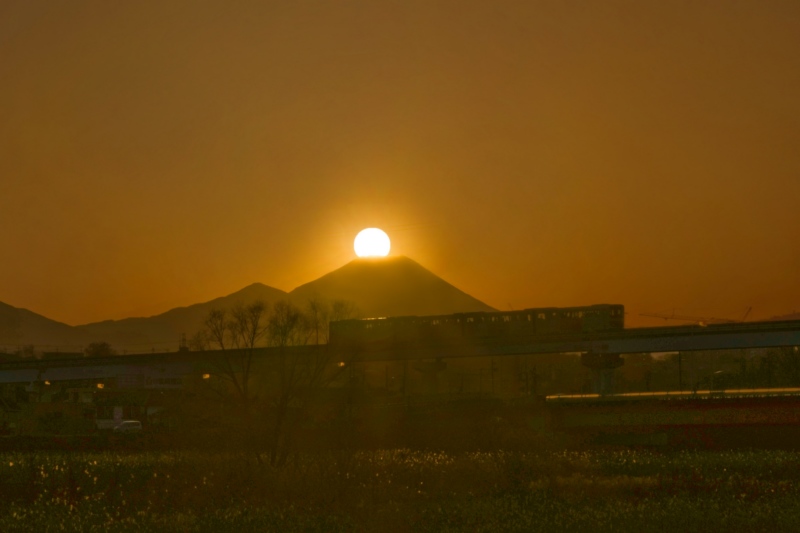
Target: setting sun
(372,242)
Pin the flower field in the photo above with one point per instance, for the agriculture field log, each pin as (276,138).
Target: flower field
(402,490)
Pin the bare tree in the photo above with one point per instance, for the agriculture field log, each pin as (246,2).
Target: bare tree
(99,349)
(343,310)
(299,375)
(237,333)
(199,342)
(317,314)
(286,327)
(281,394)
(320,313)
(215,327)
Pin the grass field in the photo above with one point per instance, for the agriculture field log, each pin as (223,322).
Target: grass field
(402,490)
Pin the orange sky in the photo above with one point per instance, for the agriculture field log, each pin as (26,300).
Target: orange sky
(156,154)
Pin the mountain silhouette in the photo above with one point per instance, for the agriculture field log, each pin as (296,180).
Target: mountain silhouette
(167,328)
(392,286)
(19,327)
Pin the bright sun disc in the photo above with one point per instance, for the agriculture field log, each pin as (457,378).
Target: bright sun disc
(372,242)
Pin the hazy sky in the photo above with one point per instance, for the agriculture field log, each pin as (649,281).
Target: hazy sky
(532,153)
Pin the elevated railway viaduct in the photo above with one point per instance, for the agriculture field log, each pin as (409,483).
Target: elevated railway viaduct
(600,351)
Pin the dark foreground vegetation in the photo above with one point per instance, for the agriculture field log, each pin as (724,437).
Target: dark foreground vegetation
(324,442)
(402,490)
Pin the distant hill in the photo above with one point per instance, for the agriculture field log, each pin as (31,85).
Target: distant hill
(19,327)
(168,327)
(394,286)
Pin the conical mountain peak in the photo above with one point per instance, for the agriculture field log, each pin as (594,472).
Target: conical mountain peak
(390,286)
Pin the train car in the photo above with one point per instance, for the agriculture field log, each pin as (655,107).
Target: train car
(409,331)
(603,317)
(558,320)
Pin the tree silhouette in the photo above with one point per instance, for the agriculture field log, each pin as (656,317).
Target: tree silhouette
(237,333)
(99,349)
(271,393)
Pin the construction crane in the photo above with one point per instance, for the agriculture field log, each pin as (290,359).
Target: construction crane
(699,320)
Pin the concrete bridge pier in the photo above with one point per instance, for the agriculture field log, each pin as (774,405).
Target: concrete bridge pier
(602,366)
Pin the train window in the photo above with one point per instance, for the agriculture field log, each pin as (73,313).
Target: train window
(540,316)
(506,318)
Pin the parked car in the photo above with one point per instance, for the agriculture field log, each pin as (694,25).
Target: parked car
(128,427)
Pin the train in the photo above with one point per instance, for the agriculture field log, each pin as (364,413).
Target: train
(479,327)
